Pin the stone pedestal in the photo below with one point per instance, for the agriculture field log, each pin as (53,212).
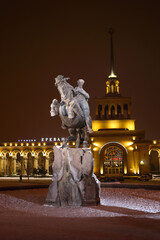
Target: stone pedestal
(73,182)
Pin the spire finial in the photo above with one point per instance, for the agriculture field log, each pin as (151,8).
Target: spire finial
(112,75)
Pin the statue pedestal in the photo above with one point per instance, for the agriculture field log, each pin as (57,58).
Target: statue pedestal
(73,182)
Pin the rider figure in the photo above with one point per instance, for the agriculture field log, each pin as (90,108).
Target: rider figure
(66,91)
(82,98)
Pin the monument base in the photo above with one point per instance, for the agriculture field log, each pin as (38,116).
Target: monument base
(73,182)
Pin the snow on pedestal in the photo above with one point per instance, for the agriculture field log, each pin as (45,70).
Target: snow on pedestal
(73,182)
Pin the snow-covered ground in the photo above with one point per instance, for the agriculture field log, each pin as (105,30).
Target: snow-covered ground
(114,203)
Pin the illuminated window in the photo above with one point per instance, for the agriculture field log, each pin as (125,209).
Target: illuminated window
(113,160)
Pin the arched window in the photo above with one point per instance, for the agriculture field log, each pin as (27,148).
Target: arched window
(112,112)
(125,107)
(112,87)
(106,112)
(118,111)
(113,160)
(154,161)
(99,111)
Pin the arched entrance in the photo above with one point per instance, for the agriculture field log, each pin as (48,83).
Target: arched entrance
(112,159)
(155,161)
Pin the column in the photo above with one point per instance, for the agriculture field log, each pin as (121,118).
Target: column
(13,168)
(25,166)
(35,162)
(1,167)
(4,162)
(47,165)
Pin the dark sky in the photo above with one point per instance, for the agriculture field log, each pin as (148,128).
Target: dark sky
(41,39)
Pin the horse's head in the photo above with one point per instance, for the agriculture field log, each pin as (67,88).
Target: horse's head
(54,108)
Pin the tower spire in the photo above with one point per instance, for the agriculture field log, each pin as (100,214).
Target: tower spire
(112,83)
(112,75)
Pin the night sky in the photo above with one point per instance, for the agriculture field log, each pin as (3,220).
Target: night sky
(41,39)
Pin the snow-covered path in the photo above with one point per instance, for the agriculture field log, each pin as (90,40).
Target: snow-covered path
(114,203)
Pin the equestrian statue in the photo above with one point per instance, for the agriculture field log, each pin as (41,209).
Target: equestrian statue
(73,110)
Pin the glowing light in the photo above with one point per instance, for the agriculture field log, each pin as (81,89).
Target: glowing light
(142,162)
(10,144)
(134,138)
(125,171)
(21,154)
(16,144)
(73,143)
(10,154)
(129,143)
(92,139)
(44,144)
(131,148)
(154,142)
(32,144)
(95,149)
(96,144)
(21,144)
(113,124)
(27,144)
(44,153)
(33,153)
(39,144)
(101,171)
(112,76)
(135,147)
(55,143)
(138,171)
(0,154)
(5,144)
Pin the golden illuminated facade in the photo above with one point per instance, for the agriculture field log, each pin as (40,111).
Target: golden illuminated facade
(119,149)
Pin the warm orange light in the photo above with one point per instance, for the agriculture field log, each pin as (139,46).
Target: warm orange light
(101,171)
(44,144)
(10,144)
(16,144)
(5,144)
(39,144)
(32,144)
(27,144)
(22,144)
(44,153)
